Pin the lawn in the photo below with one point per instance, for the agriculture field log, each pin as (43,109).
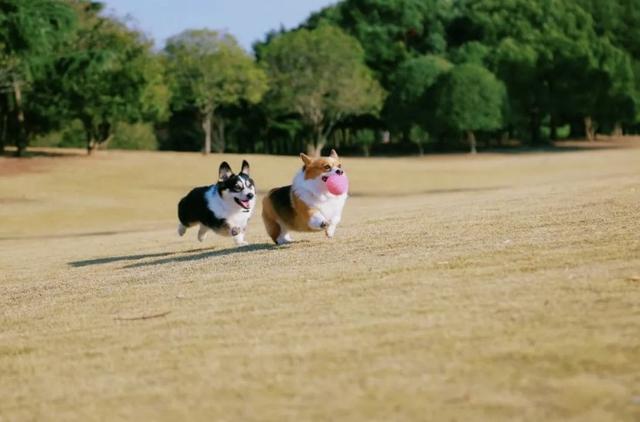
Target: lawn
(489,287)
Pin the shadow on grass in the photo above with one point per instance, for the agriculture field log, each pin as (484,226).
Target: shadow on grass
(110,259)
(203,254)
(168,257)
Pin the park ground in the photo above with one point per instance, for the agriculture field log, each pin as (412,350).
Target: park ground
(503,286)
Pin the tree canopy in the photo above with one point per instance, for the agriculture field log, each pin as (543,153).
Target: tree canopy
(367,76)
(470,99)
(208,69)
(320,75)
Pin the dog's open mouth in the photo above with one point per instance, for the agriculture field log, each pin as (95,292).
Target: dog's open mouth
(244,204)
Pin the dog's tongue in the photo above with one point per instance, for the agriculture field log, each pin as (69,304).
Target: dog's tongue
(244,203)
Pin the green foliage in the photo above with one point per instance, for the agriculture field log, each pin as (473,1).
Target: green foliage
(471,52)
(409,103)
(30,32)
(529,69)
(209,70)
(390,31)
(320,75)
(470,98)
(70,135)
(134,136)
(109,75)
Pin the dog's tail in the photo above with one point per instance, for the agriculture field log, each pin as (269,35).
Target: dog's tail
(182,229)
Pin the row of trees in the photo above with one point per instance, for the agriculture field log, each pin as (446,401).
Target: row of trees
(391,75)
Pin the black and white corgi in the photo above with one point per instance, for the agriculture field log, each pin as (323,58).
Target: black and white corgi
(306,204)
(225,207)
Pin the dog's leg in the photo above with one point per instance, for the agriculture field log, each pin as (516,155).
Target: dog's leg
(318,222)
(284,237)
(202,232)
(331,228)
(182,229)
(238,236)
(268,217)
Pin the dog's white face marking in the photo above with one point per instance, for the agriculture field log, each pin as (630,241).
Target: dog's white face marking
(241,191)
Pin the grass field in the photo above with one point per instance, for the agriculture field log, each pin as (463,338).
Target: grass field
(496,287)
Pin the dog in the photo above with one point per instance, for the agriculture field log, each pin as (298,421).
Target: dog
(224,208)
(306,204)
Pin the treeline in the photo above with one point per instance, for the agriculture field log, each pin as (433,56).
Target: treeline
(365,76)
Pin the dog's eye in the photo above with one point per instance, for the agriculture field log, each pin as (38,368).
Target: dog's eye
(327,167)
(339,166)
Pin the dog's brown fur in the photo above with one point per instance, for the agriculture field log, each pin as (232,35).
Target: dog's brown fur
(299,219)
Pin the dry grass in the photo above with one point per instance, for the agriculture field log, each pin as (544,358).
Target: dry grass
(496,287)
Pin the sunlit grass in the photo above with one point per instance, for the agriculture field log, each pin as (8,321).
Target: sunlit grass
(457,287)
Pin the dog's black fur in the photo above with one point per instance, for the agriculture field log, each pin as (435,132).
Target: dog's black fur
(194,207)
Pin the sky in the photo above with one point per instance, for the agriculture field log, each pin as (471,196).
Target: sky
(247,20)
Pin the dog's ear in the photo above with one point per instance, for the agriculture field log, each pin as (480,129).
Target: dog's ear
(333,154)
(225,171)
(305,158)
(245,167)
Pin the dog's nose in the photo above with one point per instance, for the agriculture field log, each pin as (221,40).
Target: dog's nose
(250,195)
(339,172)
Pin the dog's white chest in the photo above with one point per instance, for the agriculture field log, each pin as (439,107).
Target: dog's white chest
(332,207)
(240,218)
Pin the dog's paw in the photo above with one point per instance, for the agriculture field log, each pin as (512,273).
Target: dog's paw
(330,231)
(242,243)
(284,239)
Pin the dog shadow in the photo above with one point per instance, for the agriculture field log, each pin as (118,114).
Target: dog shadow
(204,254)
(110,259)
(182,256)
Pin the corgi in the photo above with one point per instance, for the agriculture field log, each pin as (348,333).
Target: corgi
(306,204)
(224,208)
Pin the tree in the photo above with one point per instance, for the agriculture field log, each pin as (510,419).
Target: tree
(29,33)
(109,75)
(408,104)
(320,75)
(470,98)
(209,70)
(390,31)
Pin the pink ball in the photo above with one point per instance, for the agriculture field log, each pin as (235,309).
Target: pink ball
(338,184)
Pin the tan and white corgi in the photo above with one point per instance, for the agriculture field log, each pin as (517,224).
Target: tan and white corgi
(306,204)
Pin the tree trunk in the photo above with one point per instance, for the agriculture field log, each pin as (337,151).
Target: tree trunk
(314,148)
(21,142)
(535,127)
(207,123)
(91,142)
(589,129)
(88,133)
(420,148)
(3,133)
(222,144)
(617,130)
(503,139)
(553,129)
(471,137)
